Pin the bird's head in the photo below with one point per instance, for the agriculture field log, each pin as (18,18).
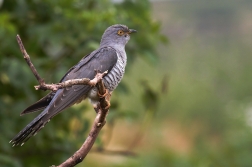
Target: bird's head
(116,35)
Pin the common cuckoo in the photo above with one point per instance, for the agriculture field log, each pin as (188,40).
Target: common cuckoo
(110,56)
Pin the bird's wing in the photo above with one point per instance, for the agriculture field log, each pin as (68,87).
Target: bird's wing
(45,101)
(102,60)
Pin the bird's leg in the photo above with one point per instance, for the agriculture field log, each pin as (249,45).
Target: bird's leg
(107,96)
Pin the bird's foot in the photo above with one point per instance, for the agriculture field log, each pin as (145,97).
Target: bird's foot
(104,95)
(108,105)
(107,96)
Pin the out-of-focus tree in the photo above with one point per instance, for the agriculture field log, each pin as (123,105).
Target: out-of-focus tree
(57,34)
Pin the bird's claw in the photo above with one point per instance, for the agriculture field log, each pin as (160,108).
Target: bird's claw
(104,95)
(108,106)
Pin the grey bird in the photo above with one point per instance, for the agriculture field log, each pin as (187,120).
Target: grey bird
(110,56)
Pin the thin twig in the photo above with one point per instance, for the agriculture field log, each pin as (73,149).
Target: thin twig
(68,83)
(28,61)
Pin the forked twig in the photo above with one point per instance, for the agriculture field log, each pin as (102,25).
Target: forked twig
(99,122)
(102,109)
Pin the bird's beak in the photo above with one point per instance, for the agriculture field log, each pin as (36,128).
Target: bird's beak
(132,31)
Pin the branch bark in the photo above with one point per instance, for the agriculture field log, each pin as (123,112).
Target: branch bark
(83,81)
(99,122)
(102,109)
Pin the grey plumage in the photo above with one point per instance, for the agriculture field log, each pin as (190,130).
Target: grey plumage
(112,79)
(110,56)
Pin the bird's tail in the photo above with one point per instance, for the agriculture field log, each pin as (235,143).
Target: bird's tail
(30,130)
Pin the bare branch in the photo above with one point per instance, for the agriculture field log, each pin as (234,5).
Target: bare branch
(99,122)
(68,83)
(102,109)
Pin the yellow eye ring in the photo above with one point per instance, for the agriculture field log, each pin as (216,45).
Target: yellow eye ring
(120,32)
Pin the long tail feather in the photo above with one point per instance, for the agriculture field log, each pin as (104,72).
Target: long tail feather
(30,130)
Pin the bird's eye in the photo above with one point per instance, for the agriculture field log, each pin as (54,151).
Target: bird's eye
(120,32)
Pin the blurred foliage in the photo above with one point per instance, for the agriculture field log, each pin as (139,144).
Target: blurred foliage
(205,117)
(210,90)
(188,105)
(57,34)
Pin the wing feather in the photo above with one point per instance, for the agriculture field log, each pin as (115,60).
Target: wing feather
(102,60)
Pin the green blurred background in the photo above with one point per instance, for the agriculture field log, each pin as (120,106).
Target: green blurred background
(185,100)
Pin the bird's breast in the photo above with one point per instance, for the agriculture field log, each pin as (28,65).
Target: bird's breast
(113,78)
